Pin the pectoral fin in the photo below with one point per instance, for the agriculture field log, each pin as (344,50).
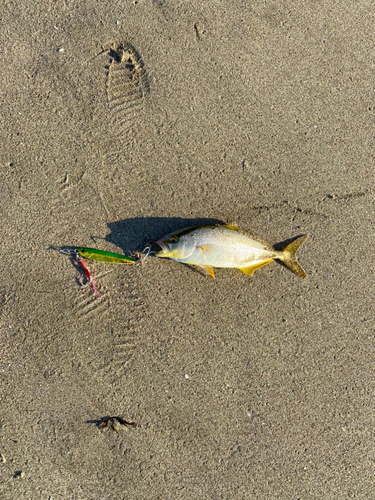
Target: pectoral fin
(208,270)
(250,269)
(206,249)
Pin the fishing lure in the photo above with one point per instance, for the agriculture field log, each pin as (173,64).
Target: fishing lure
(99,255)
(103,256)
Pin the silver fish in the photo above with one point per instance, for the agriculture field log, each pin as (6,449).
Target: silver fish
(225,246)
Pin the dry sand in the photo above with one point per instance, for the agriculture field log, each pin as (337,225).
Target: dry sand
(241,388)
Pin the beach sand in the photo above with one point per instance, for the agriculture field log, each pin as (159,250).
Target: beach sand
(122,121)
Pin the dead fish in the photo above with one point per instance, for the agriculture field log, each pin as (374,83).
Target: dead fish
(225,246)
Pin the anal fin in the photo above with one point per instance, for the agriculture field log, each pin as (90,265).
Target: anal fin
(250,269)
(208,270)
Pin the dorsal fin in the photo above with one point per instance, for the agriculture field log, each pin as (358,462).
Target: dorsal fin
(233,226)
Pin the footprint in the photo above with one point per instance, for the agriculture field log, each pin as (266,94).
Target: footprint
(70,183)
(127,87)
(87,304)
(130,339)
(117,86)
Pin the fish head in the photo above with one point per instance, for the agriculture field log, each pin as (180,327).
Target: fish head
(177,245)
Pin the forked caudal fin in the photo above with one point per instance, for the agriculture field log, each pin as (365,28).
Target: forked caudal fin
(288,256)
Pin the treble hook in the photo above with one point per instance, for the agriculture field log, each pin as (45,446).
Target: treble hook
(90,280)
(84,285)
(89,276)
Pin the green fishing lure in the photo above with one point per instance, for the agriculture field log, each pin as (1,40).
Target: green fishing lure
(102,256)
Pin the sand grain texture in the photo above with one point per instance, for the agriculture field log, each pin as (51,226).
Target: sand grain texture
(241,388)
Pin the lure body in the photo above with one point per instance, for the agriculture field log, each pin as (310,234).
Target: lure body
(102,256)
(225,246)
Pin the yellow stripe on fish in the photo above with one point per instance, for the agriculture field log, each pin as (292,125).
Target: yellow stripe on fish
(225,246)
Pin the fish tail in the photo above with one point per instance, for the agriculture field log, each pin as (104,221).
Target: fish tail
(288,256)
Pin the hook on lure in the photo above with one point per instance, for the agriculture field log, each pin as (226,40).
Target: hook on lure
(74,254)
(89,276)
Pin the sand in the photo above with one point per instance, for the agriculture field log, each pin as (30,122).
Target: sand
(122,121)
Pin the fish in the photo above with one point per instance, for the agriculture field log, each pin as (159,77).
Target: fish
(225,246)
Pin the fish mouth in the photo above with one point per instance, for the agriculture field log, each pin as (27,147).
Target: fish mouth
(164,249)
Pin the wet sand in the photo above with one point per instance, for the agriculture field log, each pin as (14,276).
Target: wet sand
(122,122)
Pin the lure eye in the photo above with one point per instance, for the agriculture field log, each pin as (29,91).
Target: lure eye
(173,239)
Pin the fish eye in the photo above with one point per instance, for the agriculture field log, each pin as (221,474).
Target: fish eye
(173,239)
